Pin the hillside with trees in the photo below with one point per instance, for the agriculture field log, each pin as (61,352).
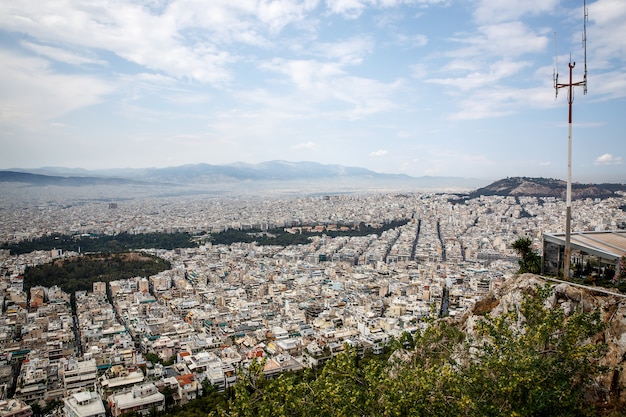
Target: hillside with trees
(121,242)
(80,272)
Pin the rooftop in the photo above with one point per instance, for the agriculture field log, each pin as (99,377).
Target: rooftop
(605,244)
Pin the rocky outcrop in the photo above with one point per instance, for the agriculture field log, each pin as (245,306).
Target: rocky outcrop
(570,298)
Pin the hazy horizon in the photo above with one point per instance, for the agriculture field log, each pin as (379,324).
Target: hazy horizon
(60,170)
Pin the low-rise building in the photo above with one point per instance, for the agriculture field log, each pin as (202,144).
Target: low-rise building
(15,408)
(140,399)
(84,404)
(78,374)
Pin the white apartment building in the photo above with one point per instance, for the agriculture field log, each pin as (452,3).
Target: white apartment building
(140,399)
(78,374)
(83,404)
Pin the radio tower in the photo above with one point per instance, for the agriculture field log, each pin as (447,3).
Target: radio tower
(570,99)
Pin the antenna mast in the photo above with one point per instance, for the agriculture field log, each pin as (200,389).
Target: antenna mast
(586,16)
(570,100)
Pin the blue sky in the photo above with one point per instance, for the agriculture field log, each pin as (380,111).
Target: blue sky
(421,87)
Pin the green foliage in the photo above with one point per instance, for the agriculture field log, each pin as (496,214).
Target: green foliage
(154,358)
(282,238)
(542,367)
(36,409)
(531,361)
(79,273)
(103,243)
(168,393)
(271,237)
(529,261)
(51,406)
(200,407)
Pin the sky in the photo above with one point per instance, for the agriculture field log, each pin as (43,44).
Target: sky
(420,87)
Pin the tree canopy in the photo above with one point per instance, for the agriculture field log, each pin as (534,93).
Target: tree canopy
(121,242)
(279,236)
(530,261)
(80,272)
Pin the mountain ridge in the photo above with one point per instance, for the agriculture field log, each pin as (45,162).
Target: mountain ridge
(235,173)
(73,181)
(297,175)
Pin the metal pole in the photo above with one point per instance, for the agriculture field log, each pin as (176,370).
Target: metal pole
(570,100)
(568,199)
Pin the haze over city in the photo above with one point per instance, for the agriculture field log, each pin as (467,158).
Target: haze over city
(424,87)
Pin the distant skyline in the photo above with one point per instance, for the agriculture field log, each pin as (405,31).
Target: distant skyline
(417,87)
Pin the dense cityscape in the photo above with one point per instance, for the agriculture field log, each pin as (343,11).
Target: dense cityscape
(133,344)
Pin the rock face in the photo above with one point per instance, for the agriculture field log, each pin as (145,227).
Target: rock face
(570,298)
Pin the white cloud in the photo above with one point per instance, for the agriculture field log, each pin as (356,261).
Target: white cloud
(278,14)
(489,103)
(607,85)
(380,152)
(497,71)
(305,74)
(149,80)
(350,9)
(306,145)
(318,82)
(419,71)
(418,40)
(350,51)
(605,12)
(607,34)
(608,159)
(186,39)
(62,55)
(177,42)
(500,11)
(508,39)
(33,94)
(489,67)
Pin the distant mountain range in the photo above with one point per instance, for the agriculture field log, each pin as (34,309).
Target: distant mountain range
(297,177)
(71,180)
(234,174)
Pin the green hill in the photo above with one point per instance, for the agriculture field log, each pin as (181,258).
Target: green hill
(80,272)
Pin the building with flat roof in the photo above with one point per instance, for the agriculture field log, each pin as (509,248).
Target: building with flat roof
(601,250)
(141,399)
(84,404)
(15,408)
(78,374)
